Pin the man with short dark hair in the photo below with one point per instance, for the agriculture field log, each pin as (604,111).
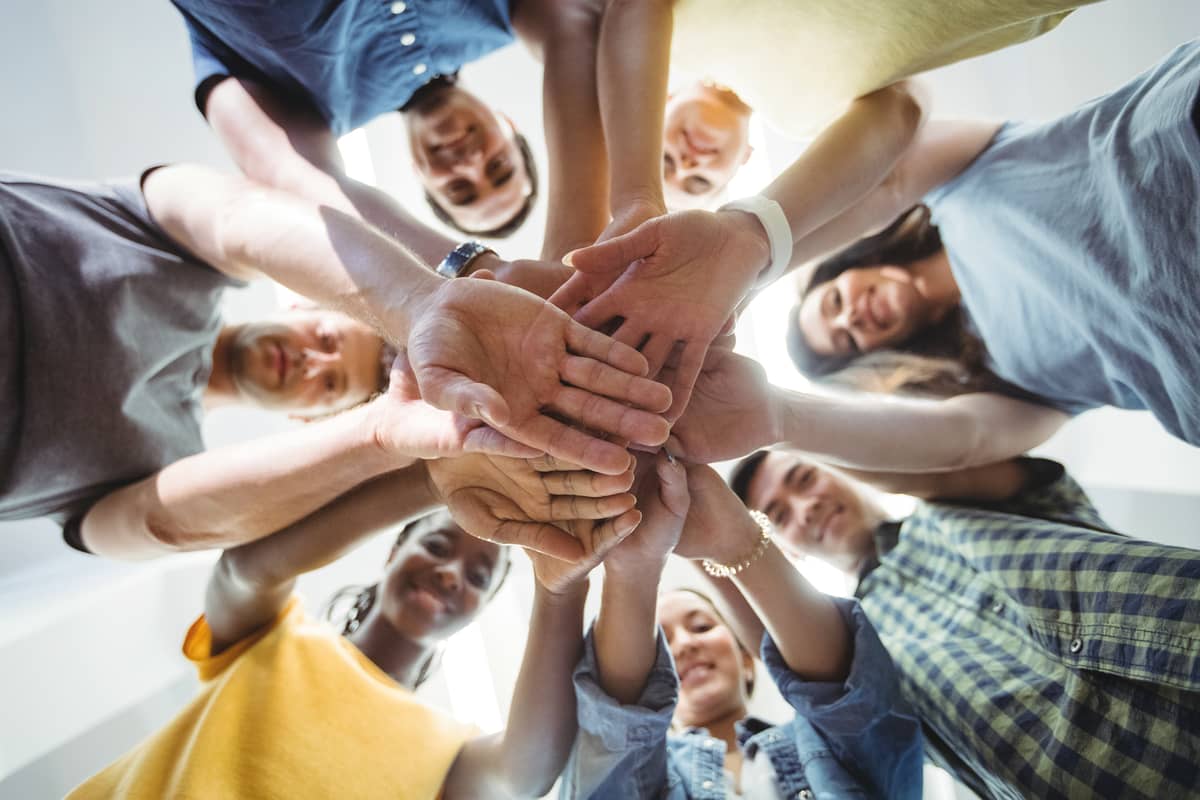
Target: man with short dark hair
(1046,655)
(112,344)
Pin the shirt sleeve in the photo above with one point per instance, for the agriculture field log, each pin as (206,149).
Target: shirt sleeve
(863,719)
(197,645)
(621,750)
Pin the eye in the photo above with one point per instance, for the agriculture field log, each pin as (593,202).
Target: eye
(437,546)
(499,171)
(480,578)
(330,384)
(805,477)
(835,300)
(668,165)
(327,341)
(460,192)
(701,627)
(697,184)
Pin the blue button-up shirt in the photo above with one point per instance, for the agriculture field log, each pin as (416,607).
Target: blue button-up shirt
(847,740)
(351,60)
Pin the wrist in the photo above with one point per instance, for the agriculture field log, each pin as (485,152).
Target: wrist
(634,577)
(574,593)
(378,437)
(776,415)
(401,312)
(770,230)
(743,543)
(648,200)
(489,260)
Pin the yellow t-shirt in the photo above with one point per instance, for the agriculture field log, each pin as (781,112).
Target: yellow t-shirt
(799,62)
(294,711)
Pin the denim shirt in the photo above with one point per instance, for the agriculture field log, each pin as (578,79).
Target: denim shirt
(351,59)
(847,740)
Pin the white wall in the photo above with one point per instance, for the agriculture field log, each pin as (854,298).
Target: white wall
(89,650)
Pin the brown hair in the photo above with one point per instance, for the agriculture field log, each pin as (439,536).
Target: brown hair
(942,360)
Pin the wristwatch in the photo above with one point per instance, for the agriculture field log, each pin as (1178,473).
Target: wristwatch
(455,264)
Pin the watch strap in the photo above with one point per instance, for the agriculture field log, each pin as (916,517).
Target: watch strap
(456,262)
(779,233)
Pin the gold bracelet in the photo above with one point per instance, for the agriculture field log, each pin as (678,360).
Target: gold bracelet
(760,547)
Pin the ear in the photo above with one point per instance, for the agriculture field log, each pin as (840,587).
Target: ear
(749,152)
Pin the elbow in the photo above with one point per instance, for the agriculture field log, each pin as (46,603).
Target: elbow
(971,441)
(906,103)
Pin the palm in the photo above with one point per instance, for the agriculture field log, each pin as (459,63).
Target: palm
(506,500)
(495,352)
(675,279)
(730,412)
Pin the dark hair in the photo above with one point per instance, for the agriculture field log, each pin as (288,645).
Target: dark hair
(514,223)
(721,618)
(743,473)
(941,360)
(363,597)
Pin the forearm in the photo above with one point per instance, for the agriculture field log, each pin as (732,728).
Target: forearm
(804,624)
(633,64)
(236,494)
(746,624)
(626,632)
(909,435)
(317,251)
(987,483)
(577,202)
(541,723)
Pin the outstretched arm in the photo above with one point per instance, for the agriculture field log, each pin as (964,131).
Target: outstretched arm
(735,411)
(477,347)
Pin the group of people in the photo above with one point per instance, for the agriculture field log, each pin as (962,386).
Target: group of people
(1001,277)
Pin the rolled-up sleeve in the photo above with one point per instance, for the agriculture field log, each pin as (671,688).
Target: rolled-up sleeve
(864,720)
(621,750)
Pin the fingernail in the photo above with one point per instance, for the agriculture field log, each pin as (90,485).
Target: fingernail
(569,258)
(670,458)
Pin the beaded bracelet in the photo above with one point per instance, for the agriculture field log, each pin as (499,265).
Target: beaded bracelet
(760,547)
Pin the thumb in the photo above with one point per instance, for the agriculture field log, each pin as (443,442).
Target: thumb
(617,253)
(453,391)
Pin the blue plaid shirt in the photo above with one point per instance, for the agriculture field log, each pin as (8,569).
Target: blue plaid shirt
(352,60)
(848,740)
(1047,656)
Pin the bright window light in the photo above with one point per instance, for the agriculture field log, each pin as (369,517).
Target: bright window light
(356,152)
(469,680)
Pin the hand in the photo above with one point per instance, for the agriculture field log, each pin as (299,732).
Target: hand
(731,412)
(511,501)
(406,425)
(663,499)
(718,526)
(630,216)
(538,277)
(497,353)
(596,539)
(675,279)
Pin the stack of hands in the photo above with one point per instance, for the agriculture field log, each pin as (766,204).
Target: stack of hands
(529,413)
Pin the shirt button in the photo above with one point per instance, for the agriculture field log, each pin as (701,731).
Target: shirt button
(998,608)
(1076,645)
(399,7)
(706,785)
(804,794)
(407,39)
(419,69)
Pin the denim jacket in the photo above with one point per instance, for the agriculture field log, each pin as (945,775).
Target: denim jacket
(847,740)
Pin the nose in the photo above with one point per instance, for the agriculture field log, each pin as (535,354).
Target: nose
(449,579)
(467,160)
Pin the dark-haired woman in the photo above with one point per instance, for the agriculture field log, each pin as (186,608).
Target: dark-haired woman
(1063,275)
(293,708)
(664,681)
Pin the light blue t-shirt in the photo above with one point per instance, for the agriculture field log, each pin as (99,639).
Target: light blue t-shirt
(1076,246)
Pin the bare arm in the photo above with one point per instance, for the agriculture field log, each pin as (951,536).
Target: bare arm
(525,759)
(563,35)
(804,623)
(250,584)
(895,435)
(986,483)
(288,147)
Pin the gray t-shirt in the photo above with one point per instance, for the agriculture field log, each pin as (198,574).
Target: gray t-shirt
(106,336)
(1076,244)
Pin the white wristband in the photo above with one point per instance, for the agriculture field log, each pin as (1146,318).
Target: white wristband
(779,233)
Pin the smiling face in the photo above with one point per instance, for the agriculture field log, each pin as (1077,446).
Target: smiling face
(706,138)
(468,159)
(713,669)
(437,580)
(863,309)
(815,511)
(308,361)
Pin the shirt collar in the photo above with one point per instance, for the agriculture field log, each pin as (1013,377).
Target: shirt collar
(887,536)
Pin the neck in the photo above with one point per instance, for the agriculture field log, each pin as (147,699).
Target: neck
(221,389)
(934,279)
(398,656)
(723,727)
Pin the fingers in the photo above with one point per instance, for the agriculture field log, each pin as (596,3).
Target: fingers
(617,253)
(575,507)
(488,440)
(612,532)
(491,516)
(691,360)
(583,483)
(596,376)
(586,342)
(608,416)
(572,295)
(453,391)
(657,352)
(574,446)
(673,485)
(547,463)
